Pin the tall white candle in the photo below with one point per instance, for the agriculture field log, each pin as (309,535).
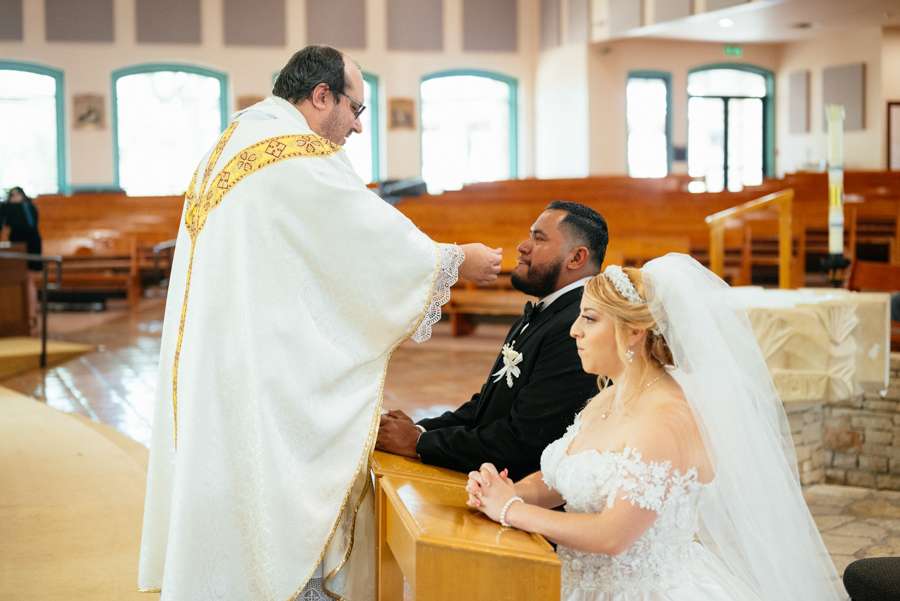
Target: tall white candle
(835,115)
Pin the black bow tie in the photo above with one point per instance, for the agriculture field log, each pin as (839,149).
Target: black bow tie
(530,311)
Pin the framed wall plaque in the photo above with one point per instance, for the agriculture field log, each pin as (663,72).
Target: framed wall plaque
(402,113)
(88,112)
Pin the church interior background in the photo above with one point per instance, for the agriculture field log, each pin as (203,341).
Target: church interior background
(105,102)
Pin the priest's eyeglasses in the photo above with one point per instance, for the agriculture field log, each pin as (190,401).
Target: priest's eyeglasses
(361,106)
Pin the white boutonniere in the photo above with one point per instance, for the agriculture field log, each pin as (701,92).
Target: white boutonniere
(511,360)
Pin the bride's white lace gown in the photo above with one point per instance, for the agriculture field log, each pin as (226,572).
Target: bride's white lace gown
(665,563)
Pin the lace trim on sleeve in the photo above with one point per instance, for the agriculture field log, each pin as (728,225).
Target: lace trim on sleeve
(649,485)
(452,257)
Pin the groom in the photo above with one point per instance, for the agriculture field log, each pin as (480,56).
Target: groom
(514,417)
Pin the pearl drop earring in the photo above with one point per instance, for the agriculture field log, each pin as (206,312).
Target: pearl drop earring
(630,354)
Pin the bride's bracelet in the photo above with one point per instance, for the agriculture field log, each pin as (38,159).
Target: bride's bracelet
(506,508)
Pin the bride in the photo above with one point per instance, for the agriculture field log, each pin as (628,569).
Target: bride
(680,479)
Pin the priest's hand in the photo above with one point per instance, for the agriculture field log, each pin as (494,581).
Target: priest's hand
(482,264)
(398,434)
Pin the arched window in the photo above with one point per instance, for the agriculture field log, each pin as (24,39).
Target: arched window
(469,131)
(32,122)
(165,117)
(648,101)
(365,150)
(730,125)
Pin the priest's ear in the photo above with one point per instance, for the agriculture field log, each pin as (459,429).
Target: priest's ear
(319,96)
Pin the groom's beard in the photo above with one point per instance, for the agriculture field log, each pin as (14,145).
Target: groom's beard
(539,282)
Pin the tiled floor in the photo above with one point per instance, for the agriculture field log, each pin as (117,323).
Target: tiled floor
(855,522)
(116,384)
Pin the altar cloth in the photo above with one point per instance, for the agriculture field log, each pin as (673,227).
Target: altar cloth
(821,344)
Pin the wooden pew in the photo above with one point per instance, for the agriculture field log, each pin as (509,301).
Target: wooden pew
(633,207)
(877,277)
(642,226)
(500,213)
(426,532)
(651,217)
(106,239)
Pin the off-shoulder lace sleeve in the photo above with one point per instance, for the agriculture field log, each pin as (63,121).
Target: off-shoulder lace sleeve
(452,257)
(648,485)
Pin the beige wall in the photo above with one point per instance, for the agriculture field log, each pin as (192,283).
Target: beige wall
(571,98)
(87,68)
(890,64)
(562,142)
(863,149)
(890,80)
(609,64)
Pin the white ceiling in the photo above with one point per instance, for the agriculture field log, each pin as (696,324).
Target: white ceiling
(776,21)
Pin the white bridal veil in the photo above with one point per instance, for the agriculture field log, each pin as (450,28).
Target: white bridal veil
(754,519)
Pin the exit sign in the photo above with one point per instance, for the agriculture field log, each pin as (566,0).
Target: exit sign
(733,51)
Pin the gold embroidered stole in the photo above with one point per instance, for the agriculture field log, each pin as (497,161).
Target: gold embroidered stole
(248,161)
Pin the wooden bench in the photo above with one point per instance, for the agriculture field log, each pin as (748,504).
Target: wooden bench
(466,300)
(651,217)
(868,276)
(107,239)
(426,532)
(635,207)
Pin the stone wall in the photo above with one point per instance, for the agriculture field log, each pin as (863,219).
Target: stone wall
(861,438)
(806,420)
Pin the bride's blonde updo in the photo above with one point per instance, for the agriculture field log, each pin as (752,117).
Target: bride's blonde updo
(653,352)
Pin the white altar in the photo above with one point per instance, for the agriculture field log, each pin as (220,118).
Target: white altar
(822,344)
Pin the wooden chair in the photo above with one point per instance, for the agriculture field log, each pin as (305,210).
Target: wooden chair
(876,277)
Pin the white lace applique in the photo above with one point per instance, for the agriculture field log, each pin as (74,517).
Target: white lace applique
(590,481)
(452,257)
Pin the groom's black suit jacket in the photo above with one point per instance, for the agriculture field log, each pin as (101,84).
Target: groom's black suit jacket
(510,427)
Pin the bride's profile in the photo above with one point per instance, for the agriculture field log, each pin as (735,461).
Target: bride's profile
(679,479)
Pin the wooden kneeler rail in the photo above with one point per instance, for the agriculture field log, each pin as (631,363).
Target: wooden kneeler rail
(427,533)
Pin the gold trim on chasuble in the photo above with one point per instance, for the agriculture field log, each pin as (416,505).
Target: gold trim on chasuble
(247,162)
(369,453)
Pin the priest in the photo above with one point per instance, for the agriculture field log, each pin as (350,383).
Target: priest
(291,287)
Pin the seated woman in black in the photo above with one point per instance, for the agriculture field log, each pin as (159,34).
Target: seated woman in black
(21,216)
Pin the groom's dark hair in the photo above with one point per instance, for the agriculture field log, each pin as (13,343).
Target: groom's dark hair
(583,226)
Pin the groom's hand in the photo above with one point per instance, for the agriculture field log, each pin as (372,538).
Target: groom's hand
(482,264)
(398,434)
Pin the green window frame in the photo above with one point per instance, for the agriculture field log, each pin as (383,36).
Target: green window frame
(221,76)
(62,163)
(374,104)
(768,108)
(666,77)
(513,84)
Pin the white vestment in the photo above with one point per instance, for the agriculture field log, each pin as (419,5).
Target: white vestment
(291,287)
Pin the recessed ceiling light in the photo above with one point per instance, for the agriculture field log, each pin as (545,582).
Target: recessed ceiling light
(725,22)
